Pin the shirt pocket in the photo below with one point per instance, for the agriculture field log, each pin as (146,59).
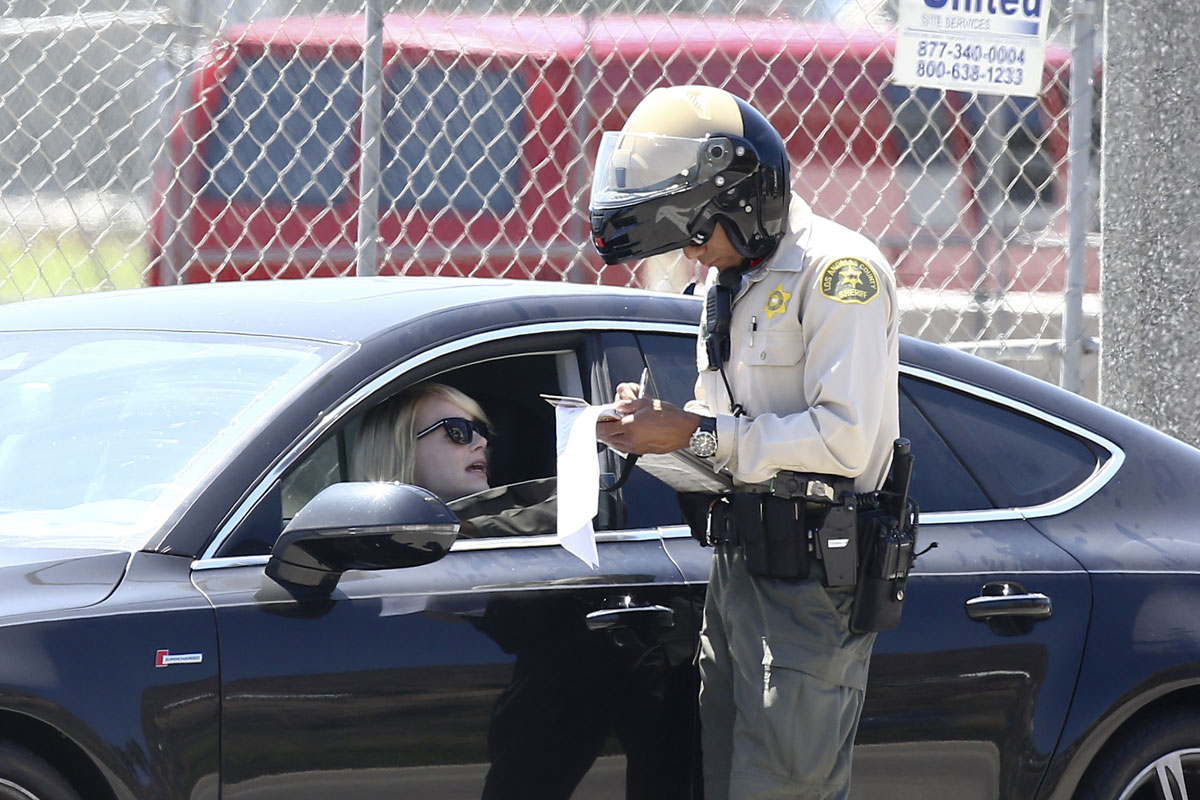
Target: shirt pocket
(775,348)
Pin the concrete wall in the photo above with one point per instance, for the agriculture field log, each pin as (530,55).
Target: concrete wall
(1150,214)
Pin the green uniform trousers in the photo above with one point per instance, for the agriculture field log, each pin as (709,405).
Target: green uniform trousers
(782,685)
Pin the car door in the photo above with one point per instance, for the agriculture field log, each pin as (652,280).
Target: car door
(508,668)
(967,697)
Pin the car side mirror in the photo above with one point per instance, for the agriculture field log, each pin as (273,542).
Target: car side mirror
(360,526)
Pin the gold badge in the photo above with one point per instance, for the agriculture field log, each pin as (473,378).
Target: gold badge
(849,280)
(777,301)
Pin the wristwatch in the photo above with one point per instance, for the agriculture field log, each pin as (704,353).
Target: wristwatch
(704,439)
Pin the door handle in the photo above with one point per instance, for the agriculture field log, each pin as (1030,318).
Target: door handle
(1008,599)
(658,618)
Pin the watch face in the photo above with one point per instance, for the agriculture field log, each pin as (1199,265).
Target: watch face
(703,444)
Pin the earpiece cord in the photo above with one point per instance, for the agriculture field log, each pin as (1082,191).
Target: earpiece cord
(732,280)
(734,406)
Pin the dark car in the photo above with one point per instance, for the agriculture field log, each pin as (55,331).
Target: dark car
(161,639)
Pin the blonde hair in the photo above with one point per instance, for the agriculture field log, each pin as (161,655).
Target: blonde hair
(385,449)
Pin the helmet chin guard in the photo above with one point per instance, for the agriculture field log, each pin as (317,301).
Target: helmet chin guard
(655,191)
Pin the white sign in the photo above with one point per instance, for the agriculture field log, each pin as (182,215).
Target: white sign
(985,46)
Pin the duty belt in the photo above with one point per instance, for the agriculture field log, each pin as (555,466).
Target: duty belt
(783,526)
(731,512)
(812,487)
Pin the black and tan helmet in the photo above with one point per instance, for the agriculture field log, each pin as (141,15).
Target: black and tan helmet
(688,157)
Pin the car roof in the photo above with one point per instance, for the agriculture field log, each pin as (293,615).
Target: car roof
(359,309)
(352,309)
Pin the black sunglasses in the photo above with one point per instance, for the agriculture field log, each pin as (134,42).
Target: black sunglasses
(459,429)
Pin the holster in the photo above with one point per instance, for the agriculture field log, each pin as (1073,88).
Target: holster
(887,552)
(837,540)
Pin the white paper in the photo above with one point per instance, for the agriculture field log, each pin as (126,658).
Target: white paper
(608,412)
(578,480)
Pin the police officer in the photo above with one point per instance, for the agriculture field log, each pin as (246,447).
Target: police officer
(798,357)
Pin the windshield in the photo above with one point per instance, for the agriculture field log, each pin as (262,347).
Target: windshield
(104,433)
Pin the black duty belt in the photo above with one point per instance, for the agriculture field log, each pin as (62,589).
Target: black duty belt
(749,511)
(812,487)
(783,526)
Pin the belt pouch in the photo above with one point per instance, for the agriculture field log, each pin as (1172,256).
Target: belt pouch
(721,523)
(787,541)
(747,519)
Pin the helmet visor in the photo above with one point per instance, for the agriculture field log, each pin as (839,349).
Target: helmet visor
(634,167)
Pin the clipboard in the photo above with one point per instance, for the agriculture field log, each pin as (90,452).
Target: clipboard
(684,471)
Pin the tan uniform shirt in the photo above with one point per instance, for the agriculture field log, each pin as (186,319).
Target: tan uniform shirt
(813,360)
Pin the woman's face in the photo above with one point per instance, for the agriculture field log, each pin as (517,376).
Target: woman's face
(445,468)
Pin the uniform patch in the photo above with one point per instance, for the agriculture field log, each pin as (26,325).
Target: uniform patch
(777,301)
(849,280)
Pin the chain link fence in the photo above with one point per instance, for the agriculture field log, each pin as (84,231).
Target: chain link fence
(154,143)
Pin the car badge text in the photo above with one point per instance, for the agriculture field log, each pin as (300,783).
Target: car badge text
(164,658)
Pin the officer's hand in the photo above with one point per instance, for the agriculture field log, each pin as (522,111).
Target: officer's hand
(648,426)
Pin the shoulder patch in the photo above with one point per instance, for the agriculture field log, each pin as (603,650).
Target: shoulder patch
(849,280)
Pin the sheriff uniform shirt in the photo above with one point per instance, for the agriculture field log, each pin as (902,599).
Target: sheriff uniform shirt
(813,361)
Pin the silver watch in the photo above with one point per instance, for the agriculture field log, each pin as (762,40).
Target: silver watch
(704,439)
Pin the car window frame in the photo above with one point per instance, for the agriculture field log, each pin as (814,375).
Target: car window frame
(1064,502)
(353,403)
(1069,500)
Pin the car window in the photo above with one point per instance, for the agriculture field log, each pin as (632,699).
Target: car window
(1016,459)
(940,481)
(672,363)
(648,502)
(521,449)
(327,466)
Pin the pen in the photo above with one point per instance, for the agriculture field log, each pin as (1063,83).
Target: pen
(642,382)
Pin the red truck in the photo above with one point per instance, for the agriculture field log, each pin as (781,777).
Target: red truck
(491,123)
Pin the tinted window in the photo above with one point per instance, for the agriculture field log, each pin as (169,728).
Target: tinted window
(1017,460)
(940,482)
(283,132)
(451,138)
(672,361)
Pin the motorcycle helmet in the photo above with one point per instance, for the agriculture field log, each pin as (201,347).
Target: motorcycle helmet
(688,158)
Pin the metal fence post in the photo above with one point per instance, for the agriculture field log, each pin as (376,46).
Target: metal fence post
(176,58)
(581,125)
(370,143)
(1079,120)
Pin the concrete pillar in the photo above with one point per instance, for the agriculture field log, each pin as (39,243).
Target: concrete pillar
(1150,214)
